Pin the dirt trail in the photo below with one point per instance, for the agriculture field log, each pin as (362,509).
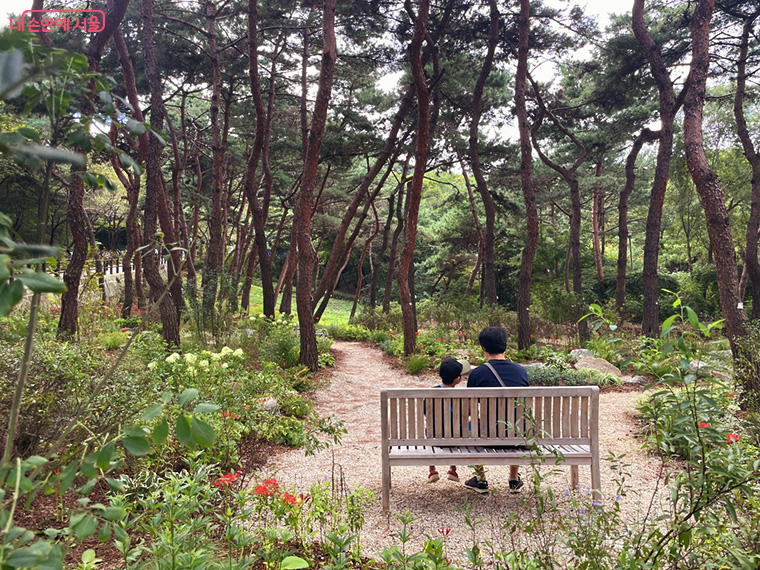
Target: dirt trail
(353,396)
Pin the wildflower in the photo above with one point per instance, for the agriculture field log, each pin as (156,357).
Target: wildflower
(733,438)
(173,357)
(704,424)
(215,356)
(444,531)
(225,365)
(225,480)
(271,484)
(190,358)
(225,351)
(238,352)
(438,339)
(289,499)
(416,332)
(303,497)
(730,394)
(57,471)
(203,364)
(151,365)
(262,490)
(125,329)
(229,415)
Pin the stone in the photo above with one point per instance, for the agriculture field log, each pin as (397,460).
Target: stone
(695,365)
(638,379)
(599,364)
(579,353)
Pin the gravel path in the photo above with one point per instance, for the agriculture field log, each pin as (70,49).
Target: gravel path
(353,396)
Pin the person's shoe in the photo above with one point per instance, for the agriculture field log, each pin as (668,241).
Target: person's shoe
(453,476)
(477,485)
(516,485)
(433,477)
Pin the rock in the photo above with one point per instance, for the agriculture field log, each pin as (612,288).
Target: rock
(599,364)
(534,365)
(695,365)
(269,404)
(579,353)
(639,379)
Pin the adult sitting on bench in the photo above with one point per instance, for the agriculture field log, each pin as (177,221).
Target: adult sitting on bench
(497,372)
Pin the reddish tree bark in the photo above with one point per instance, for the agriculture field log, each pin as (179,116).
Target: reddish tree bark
(489,237)
(711,197)
(420,161)
(650,322)
(753,224)
(154,191)
(630,182)
(301,233)
(526,179)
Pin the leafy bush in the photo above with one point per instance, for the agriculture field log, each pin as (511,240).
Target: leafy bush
(114,340)
(280,345)
(416,363)
(349,332)
(590,377)
(544,376)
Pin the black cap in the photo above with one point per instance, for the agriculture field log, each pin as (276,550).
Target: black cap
(451,369)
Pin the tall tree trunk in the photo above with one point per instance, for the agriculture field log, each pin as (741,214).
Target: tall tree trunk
(400,211)
(753,225)
(212,267)
(630,182)
(302,220)
(420,161)
(526,179)
(67,324)
(650,322)
(711,197)
(153,186)
(597,211)
(489,238)
(258,211)
(383,249)
(478,229)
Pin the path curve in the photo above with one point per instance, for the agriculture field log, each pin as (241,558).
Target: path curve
(353,395)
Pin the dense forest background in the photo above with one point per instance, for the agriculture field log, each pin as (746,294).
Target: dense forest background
(489,153)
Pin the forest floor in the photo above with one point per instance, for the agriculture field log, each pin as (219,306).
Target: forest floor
(352,394)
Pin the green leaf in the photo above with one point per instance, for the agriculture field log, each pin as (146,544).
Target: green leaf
(152,411)
(293,563)
(87,488)
(51,154)
(693,319)
(114,514)
(731,510)
(30,134)
(183,430)
(5,272)
(136,445)
(10,296)
(166,397)
(135,431)
(103,459)
(115,485)
(202,433)
(35,461)
(86,527)
(188,396)
(205,407)
(39,282)
(128,162)
(135,127)
(160,432)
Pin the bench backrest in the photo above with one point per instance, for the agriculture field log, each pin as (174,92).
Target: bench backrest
(489,416)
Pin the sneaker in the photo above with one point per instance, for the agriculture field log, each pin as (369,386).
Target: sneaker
(453,476)
(515,485)
(433,477)
(476,485)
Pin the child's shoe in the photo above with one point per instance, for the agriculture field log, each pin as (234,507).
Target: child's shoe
(433,477)
(452,475)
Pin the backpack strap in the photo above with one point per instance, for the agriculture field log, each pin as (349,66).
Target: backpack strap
(496,374)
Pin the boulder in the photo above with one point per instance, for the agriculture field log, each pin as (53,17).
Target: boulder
(599,364)
(638,379)
(579,353)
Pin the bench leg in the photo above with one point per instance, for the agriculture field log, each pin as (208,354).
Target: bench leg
(386,490)
(573,477)
(596,481)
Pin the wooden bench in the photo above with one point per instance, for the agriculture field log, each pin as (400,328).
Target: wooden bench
(471,426)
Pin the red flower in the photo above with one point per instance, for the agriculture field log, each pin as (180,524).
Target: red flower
(438,339)
(733,438)
(730,394)
(229,415)
(225,480)
(271,484)
(704,424)
(444,531)
(261,490)
(290,499)
(303,497)
(125,329)
(416,332)
(57,471)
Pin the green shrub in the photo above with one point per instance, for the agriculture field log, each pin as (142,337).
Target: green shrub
(112,341)
(280,345)
(543,376)
(349,332)
(416,363)
(590,377)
